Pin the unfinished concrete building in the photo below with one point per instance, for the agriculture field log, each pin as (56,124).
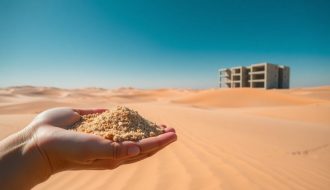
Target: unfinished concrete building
(261,75)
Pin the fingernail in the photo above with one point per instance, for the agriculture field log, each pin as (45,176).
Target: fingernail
(133,150)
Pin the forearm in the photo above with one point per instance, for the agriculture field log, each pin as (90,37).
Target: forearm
(22,166)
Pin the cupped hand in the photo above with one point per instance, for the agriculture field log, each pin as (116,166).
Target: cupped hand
(65,149)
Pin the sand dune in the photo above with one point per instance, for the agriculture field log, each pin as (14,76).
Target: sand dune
(227,139)
(316,92)
(243,98)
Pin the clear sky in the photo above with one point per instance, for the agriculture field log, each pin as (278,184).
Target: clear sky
(155,44)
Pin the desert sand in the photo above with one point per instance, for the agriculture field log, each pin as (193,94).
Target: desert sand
(118,124)
(227,138)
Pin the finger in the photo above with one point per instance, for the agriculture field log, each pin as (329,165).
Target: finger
(107,161)
(89,111)
(102,164)
(139,157)
(105,149)
(142,155)
(156,143)
(148,147)
(166,130)
(111,164)
(89,146)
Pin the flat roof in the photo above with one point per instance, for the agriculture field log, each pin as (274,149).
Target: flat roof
(252,65)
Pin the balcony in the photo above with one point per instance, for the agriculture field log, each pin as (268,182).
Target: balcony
(259,68)
(258,76)
(236,78)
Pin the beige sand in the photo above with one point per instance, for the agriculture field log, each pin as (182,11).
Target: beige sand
(227,139)
(118,124)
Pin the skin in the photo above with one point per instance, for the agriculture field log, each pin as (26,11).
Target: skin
(46,147)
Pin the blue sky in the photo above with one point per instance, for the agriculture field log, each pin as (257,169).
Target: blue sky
(155,44)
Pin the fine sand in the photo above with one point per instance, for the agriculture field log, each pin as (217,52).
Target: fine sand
(227,138)
(118,124)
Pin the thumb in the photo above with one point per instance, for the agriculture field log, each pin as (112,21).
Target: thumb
(101,148)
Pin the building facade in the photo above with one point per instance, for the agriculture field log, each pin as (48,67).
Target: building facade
(261,75)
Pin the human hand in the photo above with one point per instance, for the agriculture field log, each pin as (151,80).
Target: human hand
(66,150)
(46,146)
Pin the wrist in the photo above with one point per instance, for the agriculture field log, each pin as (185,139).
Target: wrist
(22,161)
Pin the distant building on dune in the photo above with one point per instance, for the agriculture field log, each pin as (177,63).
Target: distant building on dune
(261,75)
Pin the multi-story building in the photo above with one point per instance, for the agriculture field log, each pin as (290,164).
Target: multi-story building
(261,75)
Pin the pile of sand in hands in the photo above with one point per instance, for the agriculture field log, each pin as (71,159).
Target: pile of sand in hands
(119,124)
